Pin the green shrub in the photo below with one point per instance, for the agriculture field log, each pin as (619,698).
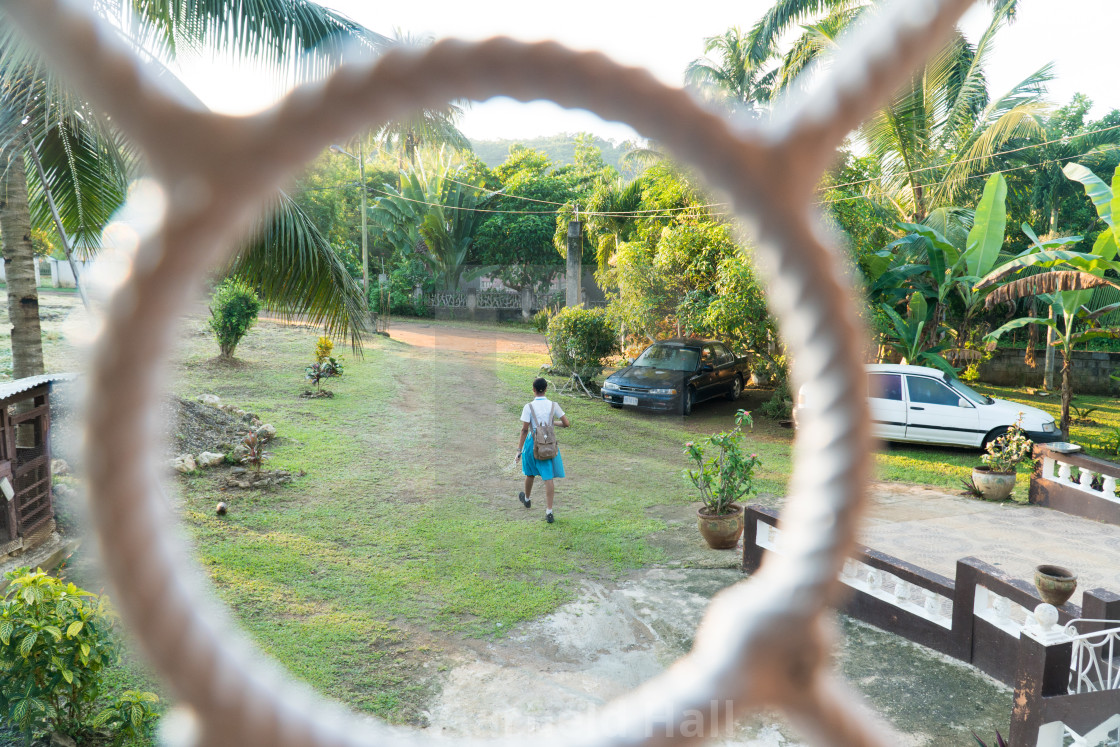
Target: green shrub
(55,642)
(130,717)
(541,320)
(579,339)
(780,406)
(233,311)
(409,274)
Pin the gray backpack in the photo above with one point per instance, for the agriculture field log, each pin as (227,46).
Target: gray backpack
(545,446)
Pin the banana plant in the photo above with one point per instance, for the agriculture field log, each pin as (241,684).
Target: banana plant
(1069,281)
(949,269)
(907,336)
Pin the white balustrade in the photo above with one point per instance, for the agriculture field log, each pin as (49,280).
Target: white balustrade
(1063,473)
(1085,479)
(891,589)
(1008,616)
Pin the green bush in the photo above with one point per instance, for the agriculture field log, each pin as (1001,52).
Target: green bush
(541,320)
(55,642)
(403,281)
(780,406)
(233,311)
(130,717)
(579,339)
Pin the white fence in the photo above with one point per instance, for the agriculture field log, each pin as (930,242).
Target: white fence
(61,276)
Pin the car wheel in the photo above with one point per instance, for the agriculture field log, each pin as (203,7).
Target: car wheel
(993,434)
(736,389)
(687,401)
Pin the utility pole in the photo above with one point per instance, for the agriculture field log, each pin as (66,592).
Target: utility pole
(575,260)
(365,229)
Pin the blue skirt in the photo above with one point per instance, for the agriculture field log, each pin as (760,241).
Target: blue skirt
(531,466)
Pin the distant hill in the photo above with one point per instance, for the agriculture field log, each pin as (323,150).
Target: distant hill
(560,148)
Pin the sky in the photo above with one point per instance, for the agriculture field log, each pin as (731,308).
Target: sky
(665,42)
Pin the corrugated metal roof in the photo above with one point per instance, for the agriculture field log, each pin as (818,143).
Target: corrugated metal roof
(12,388)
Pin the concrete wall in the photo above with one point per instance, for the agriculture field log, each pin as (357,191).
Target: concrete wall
(1091,371)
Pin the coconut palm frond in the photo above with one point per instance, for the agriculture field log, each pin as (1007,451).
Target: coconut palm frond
(1048,282)
(277,33)
(87,176)
(299,275)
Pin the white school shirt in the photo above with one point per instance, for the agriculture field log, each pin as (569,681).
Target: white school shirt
(541,407)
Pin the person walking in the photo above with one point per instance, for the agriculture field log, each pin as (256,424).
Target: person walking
(540,410)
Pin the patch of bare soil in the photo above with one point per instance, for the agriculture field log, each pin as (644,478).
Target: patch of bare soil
(199,427)
(322,394)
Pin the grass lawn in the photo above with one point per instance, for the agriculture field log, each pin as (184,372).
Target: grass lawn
(404,535)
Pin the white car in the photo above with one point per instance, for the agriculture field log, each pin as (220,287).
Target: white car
(924,405)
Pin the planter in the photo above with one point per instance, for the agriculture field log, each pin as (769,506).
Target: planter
(1055,584)
(721,532)
(995,486)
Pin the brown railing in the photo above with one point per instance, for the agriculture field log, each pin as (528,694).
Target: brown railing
(982,617)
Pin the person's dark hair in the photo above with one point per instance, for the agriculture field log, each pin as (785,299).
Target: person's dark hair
(540,385)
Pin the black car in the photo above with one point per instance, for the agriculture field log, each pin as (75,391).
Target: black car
(675,374)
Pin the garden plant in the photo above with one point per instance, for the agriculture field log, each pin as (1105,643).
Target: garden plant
(56,641)
(233,312)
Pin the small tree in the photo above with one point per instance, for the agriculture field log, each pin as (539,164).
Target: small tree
(579,339)
(233,311)
(55,641)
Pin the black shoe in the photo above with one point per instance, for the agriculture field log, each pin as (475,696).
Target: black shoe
(525,501)
(548,517)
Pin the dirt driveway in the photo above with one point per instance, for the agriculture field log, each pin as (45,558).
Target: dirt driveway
(465,339)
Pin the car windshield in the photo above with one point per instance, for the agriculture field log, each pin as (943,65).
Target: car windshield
(668,357)
(970,393)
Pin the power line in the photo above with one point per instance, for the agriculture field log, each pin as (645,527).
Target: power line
(973,176)
(978,158)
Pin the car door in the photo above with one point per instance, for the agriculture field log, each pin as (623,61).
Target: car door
(725,368)
(888,407)
(706,382)
(934,413)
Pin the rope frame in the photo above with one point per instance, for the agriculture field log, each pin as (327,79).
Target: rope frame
(764,642)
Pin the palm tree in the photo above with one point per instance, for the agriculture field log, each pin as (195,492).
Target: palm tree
(732,79)
(431,127)
(936,132)
(433,217)
(611,216)
(87,166)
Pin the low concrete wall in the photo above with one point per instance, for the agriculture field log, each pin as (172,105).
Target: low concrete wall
(1091,371)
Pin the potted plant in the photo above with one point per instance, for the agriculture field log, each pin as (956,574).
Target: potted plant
(723,475)
(996,478)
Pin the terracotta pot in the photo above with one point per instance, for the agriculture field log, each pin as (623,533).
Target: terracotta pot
(1055,584)
(721,532)
(995,486)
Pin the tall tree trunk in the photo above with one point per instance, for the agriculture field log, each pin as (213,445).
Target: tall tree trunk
(1067,392)
(19,266)
(1048,366)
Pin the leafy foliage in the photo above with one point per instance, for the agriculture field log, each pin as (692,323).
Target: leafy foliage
(323,349)
(580,339)
(131,717)
(724,474)
(254,453)
(55,641)
(1005,452)
(233,312)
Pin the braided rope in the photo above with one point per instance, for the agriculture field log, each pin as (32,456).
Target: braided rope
(763,642)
